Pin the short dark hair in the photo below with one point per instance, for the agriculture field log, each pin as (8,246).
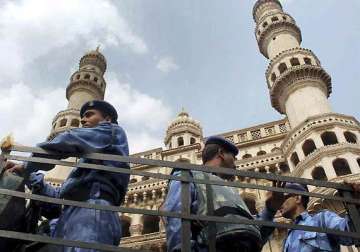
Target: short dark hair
(106,114)
(304,200)
(209,152)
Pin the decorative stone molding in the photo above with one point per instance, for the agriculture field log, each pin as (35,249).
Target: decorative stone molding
(275,28)
(144,191)
(143,241)
(260,5)
(181,124)
(270,14)
(68,115)
(136,230)
(285,56)
(244,137)
(94,58)
(316,123)
(63,113)
(293,78)
(88,85)
(259,161)
(180,149)
(329,150)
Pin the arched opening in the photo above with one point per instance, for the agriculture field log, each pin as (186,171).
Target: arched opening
(95,79)
(151,224)
(274,19)
(284,17)
(133,180)
(63,122)
(87,76)
(144,178)
(282,67)
(284,168)
(275,149)
(125,226)
(308,147)
(307,61)
(192,140)
(75,123)
(272,169)
(341,167)
(264,24)
(246,156)
(273,77)
(78,76)
(262,169)
(260,153)
(329,138)
(294,158)
(350,137)
(180,141)
(319,173)
(358,161)
(294,61)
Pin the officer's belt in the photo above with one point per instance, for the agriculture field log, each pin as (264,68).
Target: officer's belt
(84,195)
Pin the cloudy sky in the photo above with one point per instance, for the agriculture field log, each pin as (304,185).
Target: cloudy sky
(162,55)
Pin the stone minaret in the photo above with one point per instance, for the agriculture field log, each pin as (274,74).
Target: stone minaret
(86,84)
(322,144)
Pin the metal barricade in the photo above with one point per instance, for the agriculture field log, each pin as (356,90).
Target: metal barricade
(352,204)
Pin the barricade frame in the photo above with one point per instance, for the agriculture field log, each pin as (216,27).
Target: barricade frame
(346,196)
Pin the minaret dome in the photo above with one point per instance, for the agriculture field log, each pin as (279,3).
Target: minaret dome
(183,130)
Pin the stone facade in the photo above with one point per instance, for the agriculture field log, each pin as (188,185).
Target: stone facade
(310,142)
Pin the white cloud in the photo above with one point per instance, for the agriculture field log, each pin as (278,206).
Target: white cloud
(143,116)
(167,64)
(28,114)
(32,28)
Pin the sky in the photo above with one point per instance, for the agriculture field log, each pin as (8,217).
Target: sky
(162,56)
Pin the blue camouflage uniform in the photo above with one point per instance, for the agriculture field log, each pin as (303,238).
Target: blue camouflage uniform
(173,225)
(80,223)
(304,241)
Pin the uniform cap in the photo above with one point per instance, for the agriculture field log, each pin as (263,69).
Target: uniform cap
(226,144)
(102,106)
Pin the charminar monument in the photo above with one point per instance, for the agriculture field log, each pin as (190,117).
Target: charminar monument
(311,141)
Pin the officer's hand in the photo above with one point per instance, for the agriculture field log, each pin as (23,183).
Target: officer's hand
(14,167)
(36,180)
(274,200)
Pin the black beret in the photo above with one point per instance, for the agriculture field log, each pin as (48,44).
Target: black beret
(296,186)
(102,106)
(226,144)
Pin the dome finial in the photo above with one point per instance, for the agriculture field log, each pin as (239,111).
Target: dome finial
(183,112)
(98,48)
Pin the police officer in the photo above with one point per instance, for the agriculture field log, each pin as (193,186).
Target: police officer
(218,153)
(294,208)
(100,133)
